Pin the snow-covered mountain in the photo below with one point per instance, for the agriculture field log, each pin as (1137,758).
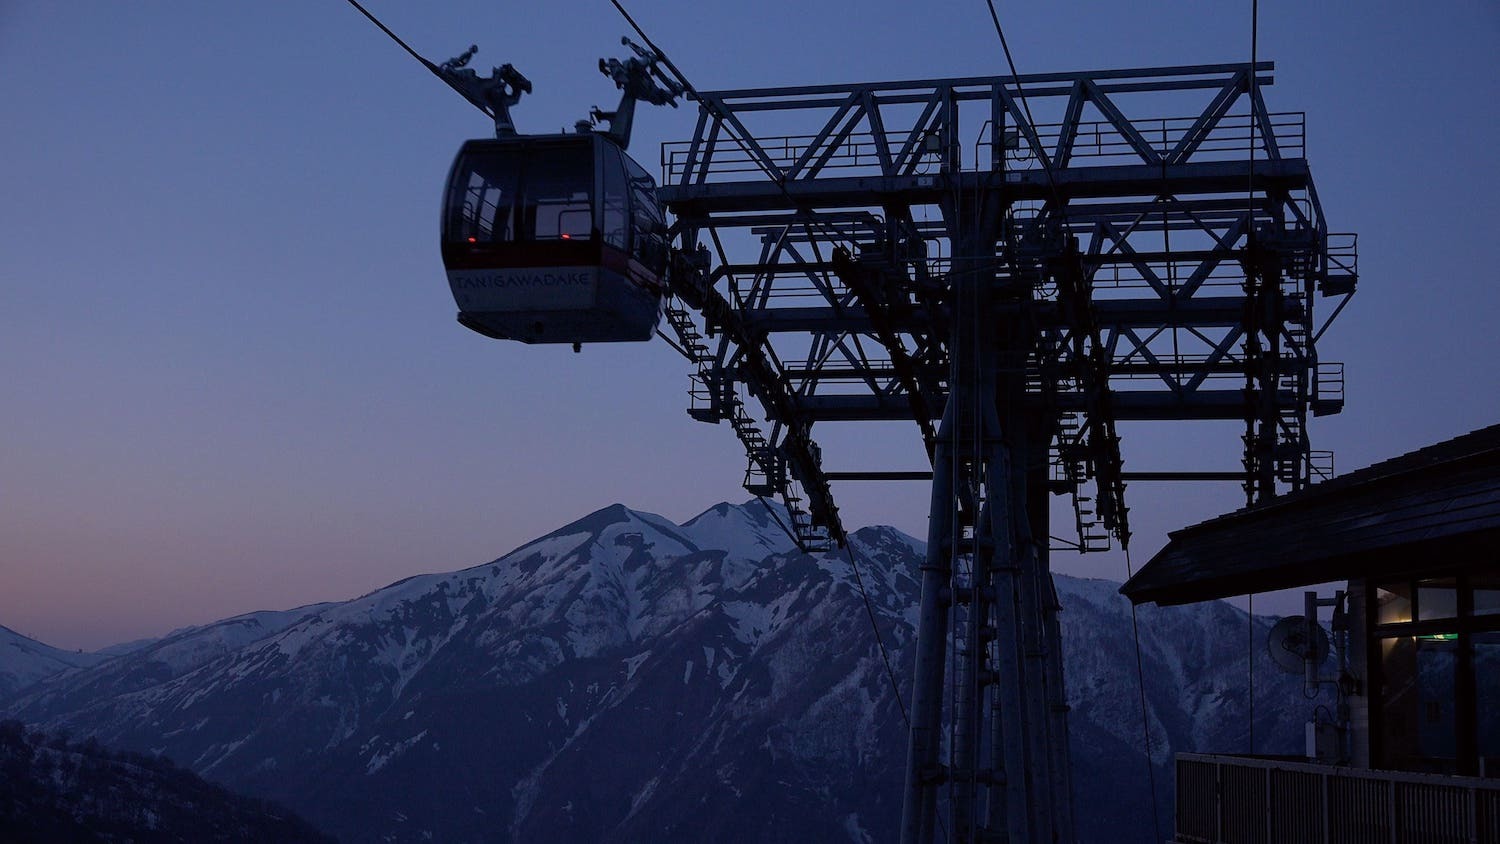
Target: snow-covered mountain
(140,663)
(624,678)
(143,665)
(24,661)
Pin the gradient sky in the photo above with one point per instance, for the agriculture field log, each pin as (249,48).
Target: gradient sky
(232,379)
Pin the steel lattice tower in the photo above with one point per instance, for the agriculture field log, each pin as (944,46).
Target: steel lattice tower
(1091,267)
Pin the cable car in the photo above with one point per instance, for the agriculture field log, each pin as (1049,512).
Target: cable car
(554,239)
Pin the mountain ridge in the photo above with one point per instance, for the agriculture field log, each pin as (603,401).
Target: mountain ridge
(483,704)
(24,661)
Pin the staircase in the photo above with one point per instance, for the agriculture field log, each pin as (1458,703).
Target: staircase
(1291,447)
(1070,473)
(710,401)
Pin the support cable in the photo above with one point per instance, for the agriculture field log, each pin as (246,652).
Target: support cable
(726,119)
(393,36)
(879,641)
(1254,93)
(436,71)
(676,347)
(1100,427)
(777,518)
(681,79)
(806,468)
(1140,683)
(1250,247)
(1021,93)
(859,581)
(1250,660)
(870,612)
(956,570)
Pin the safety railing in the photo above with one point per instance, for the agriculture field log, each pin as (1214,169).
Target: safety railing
(1343,253)
(1098,141)
(1245,800)
(1342,269)
(1320,466)
(1328,387)
(1095,142)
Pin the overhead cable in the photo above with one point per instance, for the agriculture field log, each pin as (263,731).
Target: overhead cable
(859,581)
(1140,683)
(1041,154)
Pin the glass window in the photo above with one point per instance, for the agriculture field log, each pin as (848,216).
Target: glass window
(1437,666)
(482,197)
(558,191)
(1399,702)
(1487,601)
(1486,592)
(1419,714)
(616,200)
(1487,699)
(1437,598)
(646,217)
(1393,603)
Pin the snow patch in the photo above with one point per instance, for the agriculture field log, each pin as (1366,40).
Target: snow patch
(855,830)
(378,760)
(634,663)
(749,620)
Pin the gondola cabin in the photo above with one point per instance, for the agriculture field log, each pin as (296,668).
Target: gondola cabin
(554,239)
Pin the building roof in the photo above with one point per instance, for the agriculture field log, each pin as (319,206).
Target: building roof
(1434,508)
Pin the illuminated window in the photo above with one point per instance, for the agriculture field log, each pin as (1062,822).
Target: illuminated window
(1436,654)
(1393,602)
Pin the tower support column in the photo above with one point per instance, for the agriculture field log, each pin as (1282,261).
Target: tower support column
(988,603)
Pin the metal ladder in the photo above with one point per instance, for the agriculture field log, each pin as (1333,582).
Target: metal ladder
(765,470)
(1069,460)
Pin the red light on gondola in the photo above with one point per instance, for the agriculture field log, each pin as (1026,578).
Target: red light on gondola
(567,237)
(473,240)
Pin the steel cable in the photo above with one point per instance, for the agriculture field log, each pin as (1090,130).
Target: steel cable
(859,581)
(1140,682)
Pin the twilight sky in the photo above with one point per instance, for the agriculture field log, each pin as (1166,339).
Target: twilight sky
(230,378)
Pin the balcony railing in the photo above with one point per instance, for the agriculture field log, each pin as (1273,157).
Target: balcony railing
(1243,800)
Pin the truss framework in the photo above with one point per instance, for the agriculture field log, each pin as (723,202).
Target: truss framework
(1013,297)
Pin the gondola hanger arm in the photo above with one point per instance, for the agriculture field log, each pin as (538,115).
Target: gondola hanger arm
(639,78)
(494,95)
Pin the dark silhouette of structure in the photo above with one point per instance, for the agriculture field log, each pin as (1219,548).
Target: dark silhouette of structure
(1413,752)
(927,251)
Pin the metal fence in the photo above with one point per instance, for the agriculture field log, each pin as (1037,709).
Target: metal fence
(1242,800)
(1093,142)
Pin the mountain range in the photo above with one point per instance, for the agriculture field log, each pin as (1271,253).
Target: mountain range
(24,661)
(625,678)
